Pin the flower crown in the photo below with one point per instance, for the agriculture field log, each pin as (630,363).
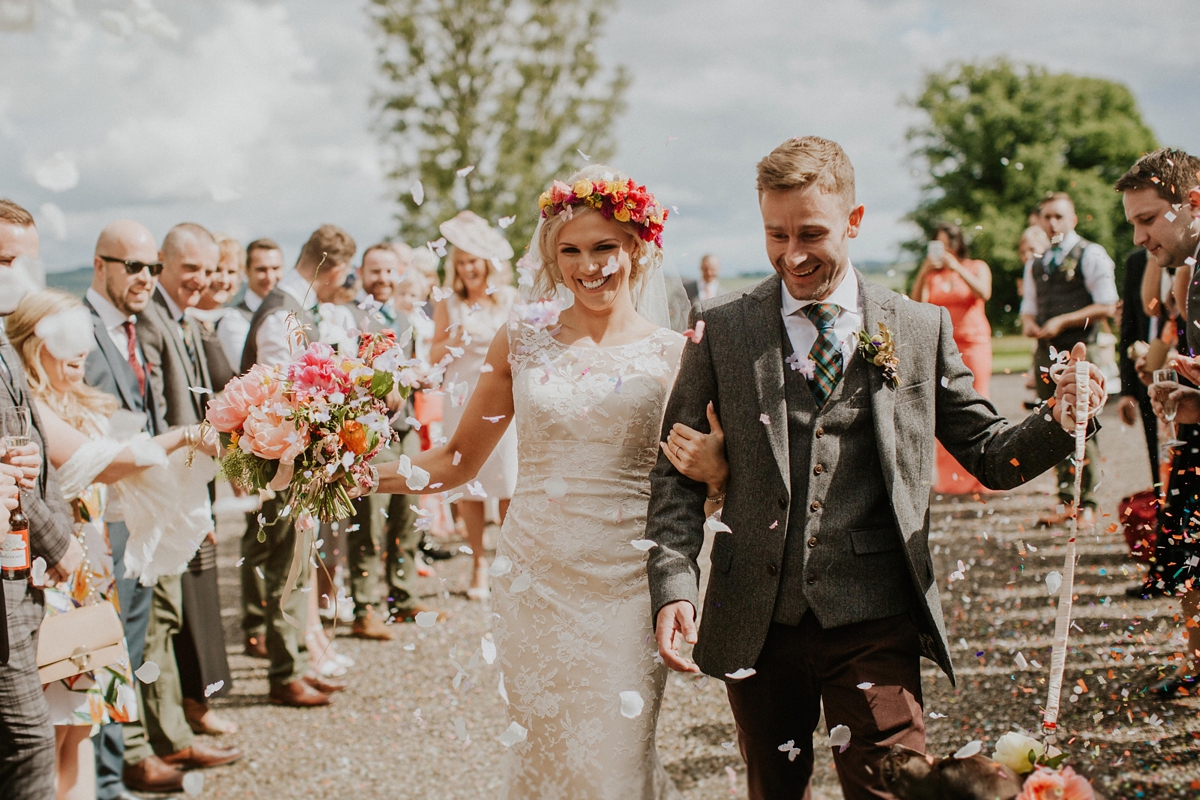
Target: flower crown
(623,202)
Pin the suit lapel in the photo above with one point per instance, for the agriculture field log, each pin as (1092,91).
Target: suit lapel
(115,361)
(879,305)
(766,352)
(175,334)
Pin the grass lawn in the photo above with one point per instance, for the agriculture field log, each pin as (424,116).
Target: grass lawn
(1011,354)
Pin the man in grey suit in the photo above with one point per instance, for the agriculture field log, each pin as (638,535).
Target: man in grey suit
(26,736)
(175,365)
(125,263)
(822,589)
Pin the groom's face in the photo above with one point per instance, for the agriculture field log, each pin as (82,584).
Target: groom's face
(808,235)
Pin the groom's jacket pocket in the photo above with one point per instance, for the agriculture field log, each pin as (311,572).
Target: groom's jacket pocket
(873,540)
(722,556)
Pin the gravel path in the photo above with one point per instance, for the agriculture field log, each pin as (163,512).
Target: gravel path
(395,732)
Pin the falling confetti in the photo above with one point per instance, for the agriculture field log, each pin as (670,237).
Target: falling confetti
(631,704)
(696,333)
(213,688)
(504,222)
(38,571)
(57,173)
(839,737)
(644,545)
(790,748)
(969,749)
(193,783)
(465,171)
(515,733)
(488,648)
(426,619)
(502,565)
(54,220)
(521,583)
(865,685)
(148,672)
(418,193)
(741,674)
(1053,582)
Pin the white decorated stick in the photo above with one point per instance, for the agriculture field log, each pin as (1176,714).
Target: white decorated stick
(1062,623)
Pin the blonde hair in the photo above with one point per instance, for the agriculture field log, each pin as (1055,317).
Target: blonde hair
(415,278)
(645,258)
(499,273)
(808,161)
(82,404)
(229,248)
(1035,235)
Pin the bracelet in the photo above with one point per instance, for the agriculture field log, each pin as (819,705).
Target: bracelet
(716,499)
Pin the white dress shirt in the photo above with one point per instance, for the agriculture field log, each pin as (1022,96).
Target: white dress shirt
(803,333)
(114,322)
(1099,275)
(279,343)
(252,301)
(709,289)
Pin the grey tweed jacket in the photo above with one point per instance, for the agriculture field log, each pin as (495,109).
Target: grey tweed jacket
(171,372)
(738,365)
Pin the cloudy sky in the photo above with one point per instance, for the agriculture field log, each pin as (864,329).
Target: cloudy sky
(252,117)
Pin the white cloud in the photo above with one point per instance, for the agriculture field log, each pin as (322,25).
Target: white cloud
(256,121)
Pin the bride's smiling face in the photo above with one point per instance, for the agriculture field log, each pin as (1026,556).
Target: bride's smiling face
(589,246)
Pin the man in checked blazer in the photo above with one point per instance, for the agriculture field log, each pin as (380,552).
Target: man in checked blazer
(26,735)
(822,591)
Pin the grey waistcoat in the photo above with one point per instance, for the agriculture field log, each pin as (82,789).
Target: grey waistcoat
(1062,290)
(275,300)
(842,557)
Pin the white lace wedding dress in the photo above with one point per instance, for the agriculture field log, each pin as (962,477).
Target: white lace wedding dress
(572,626)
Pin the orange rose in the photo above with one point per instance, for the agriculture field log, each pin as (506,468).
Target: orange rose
(354,437)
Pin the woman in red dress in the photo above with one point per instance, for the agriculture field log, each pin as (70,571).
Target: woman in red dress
(961,285)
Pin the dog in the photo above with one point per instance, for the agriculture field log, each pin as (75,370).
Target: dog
(916,776)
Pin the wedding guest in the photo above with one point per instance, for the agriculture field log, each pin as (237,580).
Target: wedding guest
(28,756)
(1032,244)
(124,268)
(302,298)
(223,329)
(1162,201)
(185,637)
(1067,293)
(264,268)
(52,333)
(1138,326)
(961,285)
(386,523)
(710,277)
(476,307)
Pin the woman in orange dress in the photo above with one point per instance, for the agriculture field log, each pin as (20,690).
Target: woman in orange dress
(961,285)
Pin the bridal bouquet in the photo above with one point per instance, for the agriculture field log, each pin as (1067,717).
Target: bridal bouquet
(325,413)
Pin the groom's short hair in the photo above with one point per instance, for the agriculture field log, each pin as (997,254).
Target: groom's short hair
(808,161)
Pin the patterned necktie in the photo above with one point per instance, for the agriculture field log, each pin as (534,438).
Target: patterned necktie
(131,340)
(826,353)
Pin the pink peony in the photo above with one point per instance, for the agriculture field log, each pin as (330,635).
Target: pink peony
(315,374)
(227,413)
(1048,784)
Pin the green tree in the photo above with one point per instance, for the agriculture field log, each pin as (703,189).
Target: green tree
(999,137)
(487,101)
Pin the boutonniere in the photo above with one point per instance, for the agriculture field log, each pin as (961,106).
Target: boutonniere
(880,350)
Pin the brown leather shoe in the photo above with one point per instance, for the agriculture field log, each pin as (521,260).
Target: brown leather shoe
(200,756)
(202,719)
(256,646)
(371,627)
(153,775)
(298,694)
(324,685)
(410,614)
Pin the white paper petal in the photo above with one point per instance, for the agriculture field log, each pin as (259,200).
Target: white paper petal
(521,583)
(865,685)
(1053,582)
(513,734)
(419,479)
(631,704)
(969,749)
(644,544)
(193,783)
(502,565)
(741,674)
(714,525)
(426,619)
(418,193)
(555,486)
(839,736)
(502,690)
(148,672)
(488,647)
(38,571)
(54,220)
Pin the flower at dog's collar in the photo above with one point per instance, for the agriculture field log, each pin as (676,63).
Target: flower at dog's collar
(880,350)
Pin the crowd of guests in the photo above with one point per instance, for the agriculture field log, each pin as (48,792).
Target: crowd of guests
(114,389)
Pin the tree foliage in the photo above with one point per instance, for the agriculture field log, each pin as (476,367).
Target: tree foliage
(999,137)
(511,88)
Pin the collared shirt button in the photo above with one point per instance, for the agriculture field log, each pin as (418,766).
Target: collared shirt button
(772,569)
(812,542)
(818,469)
(815,505)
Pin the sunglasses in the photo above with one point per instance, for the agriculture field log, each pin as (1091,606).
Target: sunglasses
(134,267)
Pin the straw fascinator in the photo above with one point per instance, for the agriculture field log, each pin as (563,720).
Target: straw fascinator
(471,233)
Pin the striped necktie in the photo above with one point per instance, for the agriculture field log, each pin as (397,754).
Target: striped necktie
(826,353)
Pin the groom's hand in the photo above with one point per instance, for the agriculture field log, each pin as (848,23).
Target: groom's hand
(1064,394)
(676,622)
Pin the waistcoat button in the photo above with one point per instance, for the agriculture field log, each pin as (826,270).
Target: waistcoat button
(783,502)
(815,505)
(820,432)
(811,580)
(772,569)
(818,469)
(812,542)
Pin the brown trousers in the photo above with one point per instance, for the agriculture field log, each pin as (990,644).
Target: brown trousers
(804,665)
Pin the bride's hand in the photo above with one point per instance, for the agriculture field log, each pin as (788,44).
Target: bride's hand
(283,476)
(699,456)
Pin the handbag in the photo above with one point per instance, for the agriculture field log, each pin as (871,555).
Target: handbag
(84,639)
(1139,514)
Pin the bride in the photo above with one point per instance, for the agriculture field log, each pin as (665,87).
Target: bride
(572,614)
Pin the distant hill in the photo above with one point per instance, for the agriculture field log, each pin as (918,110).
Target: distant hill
(75,281)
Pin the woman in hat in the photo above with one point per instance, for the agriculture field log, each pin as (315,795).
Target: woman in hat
(465,320)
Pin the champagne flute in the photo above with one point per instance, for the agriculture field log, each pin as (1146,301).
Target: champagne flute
(15,422)
(1170,407)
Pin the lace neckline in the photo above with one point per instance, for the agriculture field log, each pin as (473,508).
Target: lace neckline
(636,343)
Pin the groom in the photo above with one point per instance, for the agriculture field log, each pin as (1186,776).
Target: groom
(823,591)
